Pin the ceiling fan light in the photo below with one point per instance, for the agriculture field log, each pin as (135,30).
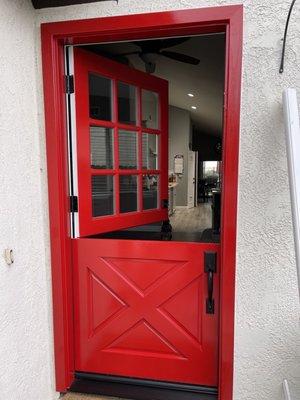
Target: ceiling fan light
(149,57)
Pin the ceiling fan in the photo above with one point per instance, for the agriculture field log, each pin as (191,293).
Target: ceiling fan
(150,50)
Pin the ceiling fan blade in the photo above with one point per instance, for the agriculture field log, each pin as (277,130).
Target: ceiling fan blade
(130,53)
(180,57)
(166,43)
(154,46)
(121,58)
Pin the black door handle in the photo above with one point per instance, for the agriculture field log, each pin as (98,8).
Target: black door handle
(210,267)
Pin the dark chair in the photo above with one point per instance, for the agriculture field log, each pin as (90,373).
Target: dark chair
(201,191)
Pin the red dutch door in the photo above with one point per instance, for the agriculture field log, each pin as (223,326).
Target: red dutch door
(143,309)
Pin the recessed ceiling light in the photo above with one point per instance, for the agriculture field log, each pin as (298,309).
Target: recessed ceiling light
(190,95)
(194,107)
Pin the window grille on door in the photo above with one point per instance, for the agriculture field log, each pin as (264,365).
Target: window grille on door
(122,138)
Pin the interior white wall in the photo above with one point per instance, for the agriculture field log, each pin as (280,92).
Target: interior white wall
(179,135)
(25,301)
(267,310)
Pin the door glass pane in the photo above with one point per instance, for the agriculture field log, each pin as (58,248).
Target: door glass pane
(127,103)
(150,151)
(101,147)
(149,109)
(100,93)
(127,150)
(128,193)
(150,191)
(102,195)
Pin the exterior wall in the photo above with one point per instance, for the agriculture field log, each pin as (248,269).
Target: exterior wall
(179,134)
(25,319)
(267,309)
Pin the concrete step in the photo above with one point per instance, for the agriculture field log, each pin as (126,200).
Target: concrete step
(79,396)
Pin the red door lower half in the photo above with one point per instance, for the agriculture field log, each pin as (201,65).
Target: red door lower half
(140,310)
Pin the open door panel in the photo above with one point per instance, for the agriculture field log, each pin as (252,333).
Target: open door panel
(122,145)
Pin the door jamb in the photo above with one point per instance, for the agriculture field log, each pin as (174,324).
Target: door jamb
(55,36)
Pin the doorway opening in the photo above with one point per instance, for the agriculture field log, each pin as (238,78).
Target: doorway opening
(76,256)
(194,67)
(143,309)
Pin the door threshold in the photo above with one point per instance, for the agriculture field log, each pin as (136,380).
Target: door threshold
(139,389)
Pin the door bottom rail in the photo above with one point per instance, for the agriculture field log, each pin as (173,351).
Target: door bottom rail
(139,389)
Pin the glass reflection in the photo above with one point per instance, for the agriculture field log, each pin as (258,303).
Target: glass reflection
(127,103)
(127,150)
(149,109)
(100,97)
(150,191)
(150,153)
(102,195)
(128,193)
(101,141)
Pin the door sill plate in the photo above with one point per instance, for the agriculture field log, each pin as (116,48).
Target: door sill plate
(139,389)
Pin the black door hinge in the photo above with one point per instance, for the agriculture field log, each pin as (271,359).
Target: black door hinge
(69,84)
(73,204)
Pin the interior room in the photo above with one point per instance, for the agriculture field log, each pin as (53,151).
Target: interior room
(194,68)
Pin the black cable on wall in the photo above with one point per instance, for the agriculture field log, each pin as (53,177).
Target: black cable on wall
(285,37)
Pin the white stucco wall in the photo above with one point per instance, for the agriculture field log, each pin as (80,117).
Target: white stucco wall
(267,308)
(25,301)
(267,312)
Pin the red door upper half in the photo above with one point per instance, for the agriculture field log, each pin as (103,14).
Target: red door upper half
(141,310)
(122,145)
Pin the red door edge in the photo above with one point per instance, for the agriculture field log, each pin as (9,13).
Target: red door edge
(55,35)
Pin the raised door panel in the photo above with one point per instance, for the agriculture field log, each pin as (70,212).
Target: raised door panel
(141,310)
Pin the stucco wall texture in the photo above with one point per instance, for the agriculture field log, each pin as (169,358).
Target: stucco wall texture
(267,338)
(25,298)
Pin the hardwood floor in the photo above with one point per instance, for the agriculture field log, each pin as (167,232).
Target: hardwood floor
(189,225)
(192,220)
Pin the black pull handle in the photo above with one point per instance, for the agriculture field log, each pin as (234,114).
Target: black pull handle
(210,267)
(210,303)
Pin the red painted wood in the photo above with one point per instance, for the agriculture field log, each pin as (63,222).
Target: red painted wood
(85,63)
(140,310)
(56,141)
(164,24)
(230,157)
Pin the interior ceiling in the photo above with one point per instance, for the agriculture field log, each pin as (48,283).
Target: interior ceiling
(205,80)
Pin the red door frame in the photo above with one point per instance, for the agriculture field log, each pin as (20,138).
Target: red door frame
(227,19)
